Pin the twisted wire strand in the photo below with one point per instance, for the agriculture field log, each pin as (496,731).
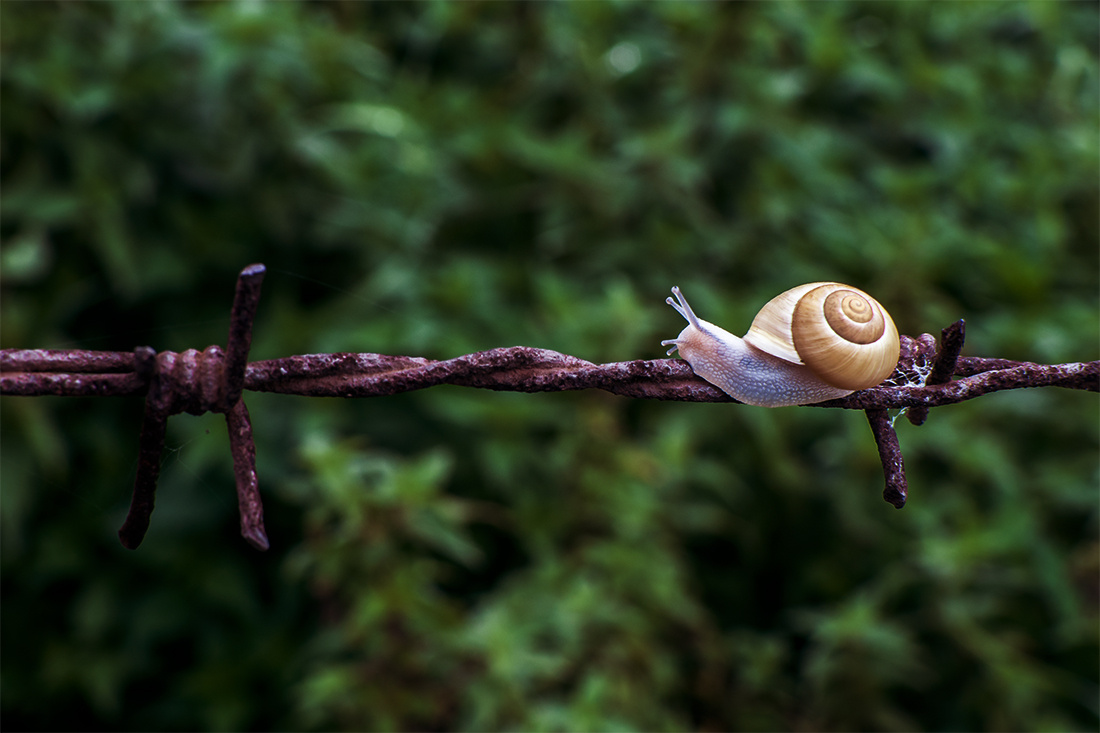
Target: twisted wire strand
(517,369)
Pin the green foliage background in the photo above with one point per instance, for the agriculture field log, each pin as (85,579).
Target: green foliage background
(441,178)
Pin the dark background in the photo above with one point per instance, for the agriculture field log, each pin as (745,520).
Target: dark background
(441,178)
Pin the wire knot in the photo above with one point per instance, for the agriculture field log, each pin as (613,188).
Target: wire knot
(191,381)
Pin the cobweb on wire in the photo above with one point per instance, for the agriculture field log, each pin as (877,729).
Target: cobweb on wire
(914,374)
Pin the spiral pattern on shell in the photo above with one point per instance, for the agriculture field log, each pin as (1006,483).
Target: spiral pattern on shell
(841,333)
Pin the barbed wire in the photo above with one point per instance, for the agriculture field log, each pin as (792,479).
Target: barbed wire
(213,381)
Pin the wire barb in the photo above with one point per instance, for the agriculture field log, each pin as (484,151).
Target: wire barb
(194,382)
(150,447)
(889,453)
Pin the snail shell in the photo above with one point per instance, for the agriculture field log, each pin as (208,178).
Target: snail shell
(814,342)
(841,333)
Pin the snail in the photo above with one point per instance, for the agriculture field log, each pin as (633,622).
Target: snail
(812,343)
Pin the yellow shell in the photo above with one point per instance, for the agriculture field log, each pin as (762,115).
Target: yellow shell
(841,333)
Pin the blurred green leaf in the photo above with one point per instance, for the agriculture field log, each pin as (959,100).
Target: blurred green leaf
(440,178)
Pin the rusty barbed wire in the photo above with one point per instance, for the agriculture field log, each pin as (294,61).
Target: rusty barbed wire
(214,381)
(74,373)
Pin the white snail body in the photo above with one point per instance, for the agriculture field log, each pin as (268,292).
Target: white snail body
(812,343)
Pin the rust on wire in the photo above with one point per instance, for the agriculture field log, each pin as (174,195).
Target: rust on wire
(213,380)
(243,449)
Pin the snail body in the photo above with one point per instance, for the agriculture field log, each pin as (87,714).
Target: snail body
(814,342)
